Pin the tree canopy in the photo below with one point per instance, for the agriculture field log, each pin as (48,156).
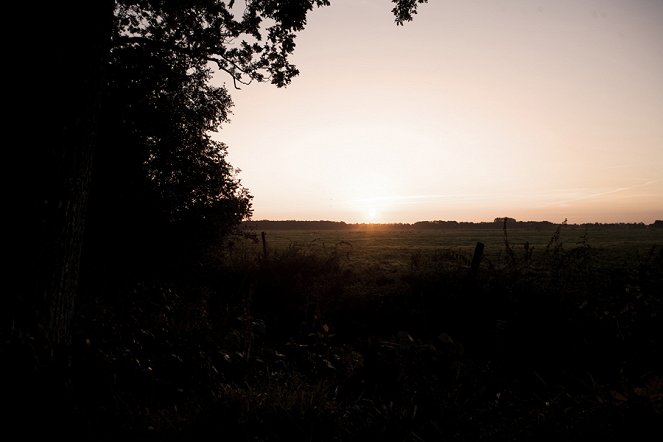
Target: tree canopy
(250,42)
(156,162)
(127,147)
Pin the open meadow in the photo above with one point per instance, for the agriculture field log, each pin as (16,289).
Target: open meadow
(556,337)
(384,334)
(398,248)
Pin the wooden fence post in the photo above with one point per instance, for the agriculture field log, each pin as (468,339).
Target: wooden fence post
(476,260)
(264,245)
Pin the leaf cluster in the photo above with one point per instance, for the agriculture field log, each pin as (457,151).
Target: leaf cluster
(404,10)
(250,42)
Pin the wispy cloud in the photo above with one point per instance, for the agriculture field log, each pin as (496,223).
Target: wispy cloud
(420,199)
(592,195)
(632,166)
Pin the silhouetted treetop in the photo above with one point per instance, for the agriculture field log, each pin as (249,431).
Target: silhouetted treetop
(250,41)
(404,10)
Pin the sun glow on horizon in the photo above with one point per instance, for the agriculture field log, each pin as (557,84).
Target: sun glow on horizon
(536,113)
(373,215)
(368,210)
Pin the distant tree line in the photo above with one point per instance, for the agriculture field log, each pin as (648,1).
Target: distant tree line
(498,223)
(295,225)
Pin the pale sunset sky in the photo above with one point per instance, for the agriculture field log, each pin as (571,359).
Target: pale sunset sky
(536,110)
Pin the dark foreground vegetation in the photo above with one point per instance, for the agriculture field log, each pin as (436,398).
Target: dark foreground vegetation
(559,343)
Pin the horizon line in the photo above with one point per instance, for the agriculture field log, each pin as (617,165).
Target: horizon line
(494,221)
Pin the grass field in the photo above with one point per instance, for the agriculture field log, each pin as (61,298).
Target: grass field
(394,249)
(373,334)
(558,336)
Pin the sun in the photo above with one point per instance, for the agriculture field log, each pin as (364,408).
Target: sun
(370,196)
(372,214)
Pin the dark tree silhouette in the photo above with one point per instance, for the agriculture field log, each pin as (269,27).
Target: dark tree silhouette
(162,188)
(151,60)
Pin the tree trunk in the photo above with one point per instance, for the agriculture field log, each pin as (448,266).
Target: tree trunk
(63,63)
(57,55)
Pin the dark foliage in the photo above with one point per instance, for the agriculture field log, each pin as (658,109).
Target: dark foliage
(559,345)
(162,187)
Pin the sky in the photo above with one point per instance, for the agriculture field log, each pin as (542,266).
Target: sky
(536,110)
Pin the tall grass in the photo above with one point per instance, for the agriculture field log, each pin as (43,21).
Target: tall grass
(307,344)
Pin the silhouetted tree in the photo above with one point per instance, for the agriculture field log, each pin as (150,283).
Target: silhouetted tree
(162,186)
(156,57)
(505,219)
